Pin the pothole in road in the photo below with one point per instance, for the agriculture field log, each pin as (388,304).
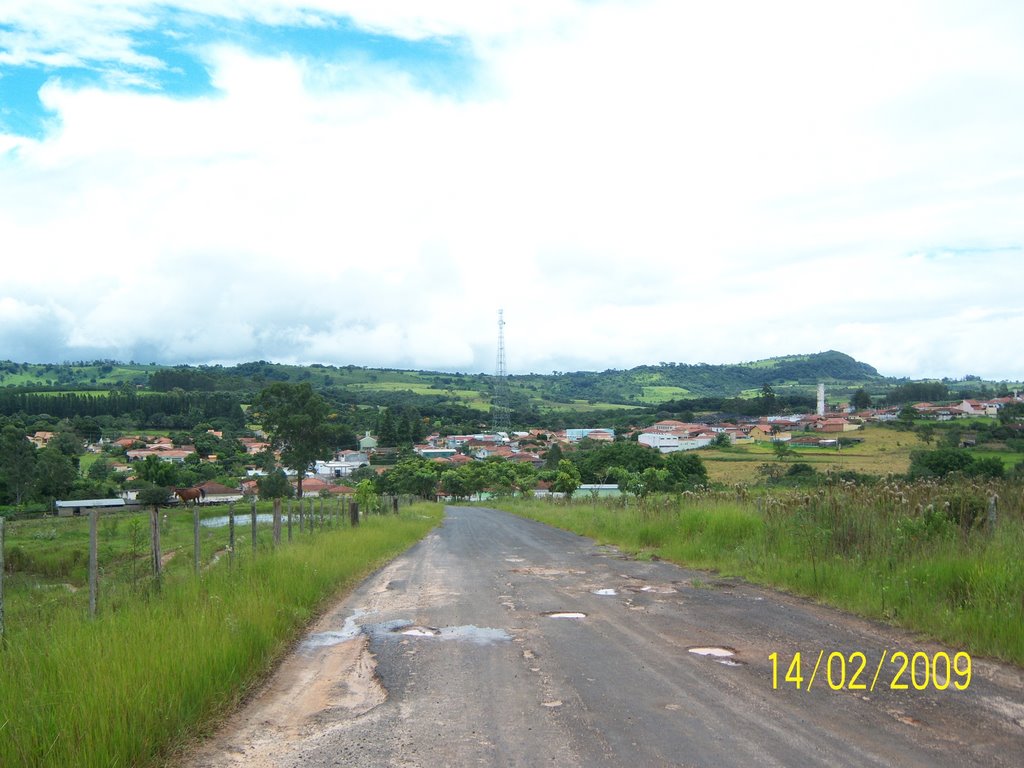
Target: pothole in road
(611,592)
(717,653)
(349,630)
(564,614)
(712,650)
(535,570)
(466,632)
(653,589)
(415,631)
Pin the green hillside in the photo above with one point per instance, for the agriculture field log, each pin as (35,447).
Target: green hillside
(675,386)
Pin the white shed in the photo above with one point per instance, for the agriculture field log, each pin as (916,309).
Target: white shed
(84,506)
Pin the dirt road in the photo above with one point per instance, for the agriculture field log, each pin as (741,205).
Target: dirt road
(500,641)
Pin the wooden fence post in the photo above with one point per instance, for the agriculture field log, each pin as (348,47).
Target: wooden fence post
(289,521)
(195,538)
(1,577)
(253,523)
(93,561)
(302,516)
(277,522)
(231,534)
(394,505)
(993,503)
(353,513)
(154,533)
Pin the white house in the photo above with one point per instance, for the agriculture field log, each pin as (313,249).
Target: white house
(667,442)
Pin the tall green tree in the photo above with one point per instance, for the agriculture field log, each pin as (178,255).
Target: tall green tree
(456,483)
(861,399)
(413,476)
(17,463)
(295,419)
(155,470)
(553,457)
(55,474)
(274,486)
(768,401)
(387,433)
(685,470)
(634,457)
(567,478)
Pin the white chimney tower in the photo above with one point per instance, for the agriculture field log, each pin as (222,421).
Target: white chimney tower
(821,399)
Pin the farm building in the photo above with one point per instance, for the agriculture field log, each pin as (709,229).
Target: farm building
(84,506)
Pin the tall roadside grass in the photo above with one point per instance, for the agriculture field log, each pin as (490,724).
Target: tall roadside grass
(126,688)
(920,556)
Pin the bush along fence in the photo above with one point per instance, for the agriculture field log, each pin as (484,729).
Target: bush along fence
(111,555)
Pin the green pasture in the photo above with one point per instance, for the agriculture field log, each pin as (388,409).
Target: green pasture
(581,406)
(652,395)
(468,397)
(1010,459)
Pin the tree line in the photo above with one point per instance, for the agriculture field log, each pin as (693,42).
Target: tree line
(175,409)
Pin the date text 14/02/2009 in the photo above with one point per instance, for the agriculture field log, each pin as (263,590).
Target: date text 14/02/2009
(899,671)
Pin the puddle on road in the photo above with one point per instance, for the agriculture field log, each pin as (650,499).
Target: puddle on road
(605,592)
(564,615)
(414,631)
(466,632)
(712,650)
(717,653)
(348,631)
(387,629)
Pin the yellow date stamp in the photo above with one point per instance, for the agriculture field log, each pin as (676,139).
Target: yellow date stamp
(855,671)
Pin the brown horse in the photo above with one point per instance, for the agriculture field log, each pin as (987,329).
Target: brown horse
(193,495)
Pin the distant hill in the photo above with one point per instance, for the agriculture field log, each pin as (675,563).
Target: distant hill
(648,384)
(643,385)
(555,400)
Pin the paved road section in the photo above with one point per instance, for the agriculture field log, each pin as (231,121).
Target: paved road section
(498,641)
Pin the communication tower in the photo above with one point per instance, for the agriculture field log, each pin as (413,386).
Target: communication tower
(500,401)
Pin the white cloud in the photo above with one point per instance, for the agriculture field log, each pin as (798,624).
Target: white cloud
(633,182)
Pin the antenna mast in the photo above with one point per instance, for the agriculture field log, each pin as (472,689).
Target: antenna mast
(499,404)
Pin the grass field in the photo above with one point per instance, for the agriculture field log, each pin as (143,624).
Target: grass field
(38,375)
(468,397)
(659,394)
(884,451)
(159,667)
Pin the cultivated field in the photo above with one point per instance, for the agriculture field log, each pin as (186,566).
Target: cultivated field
(883,452)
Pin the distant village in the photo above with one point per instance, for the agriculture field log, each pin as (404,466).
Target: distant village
(824,428)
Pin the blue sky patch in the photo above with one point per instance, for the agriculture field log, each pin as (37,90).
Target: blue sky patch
(442,65)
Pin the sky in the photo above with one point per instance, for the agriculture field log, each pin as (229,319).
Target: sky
(630,181)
